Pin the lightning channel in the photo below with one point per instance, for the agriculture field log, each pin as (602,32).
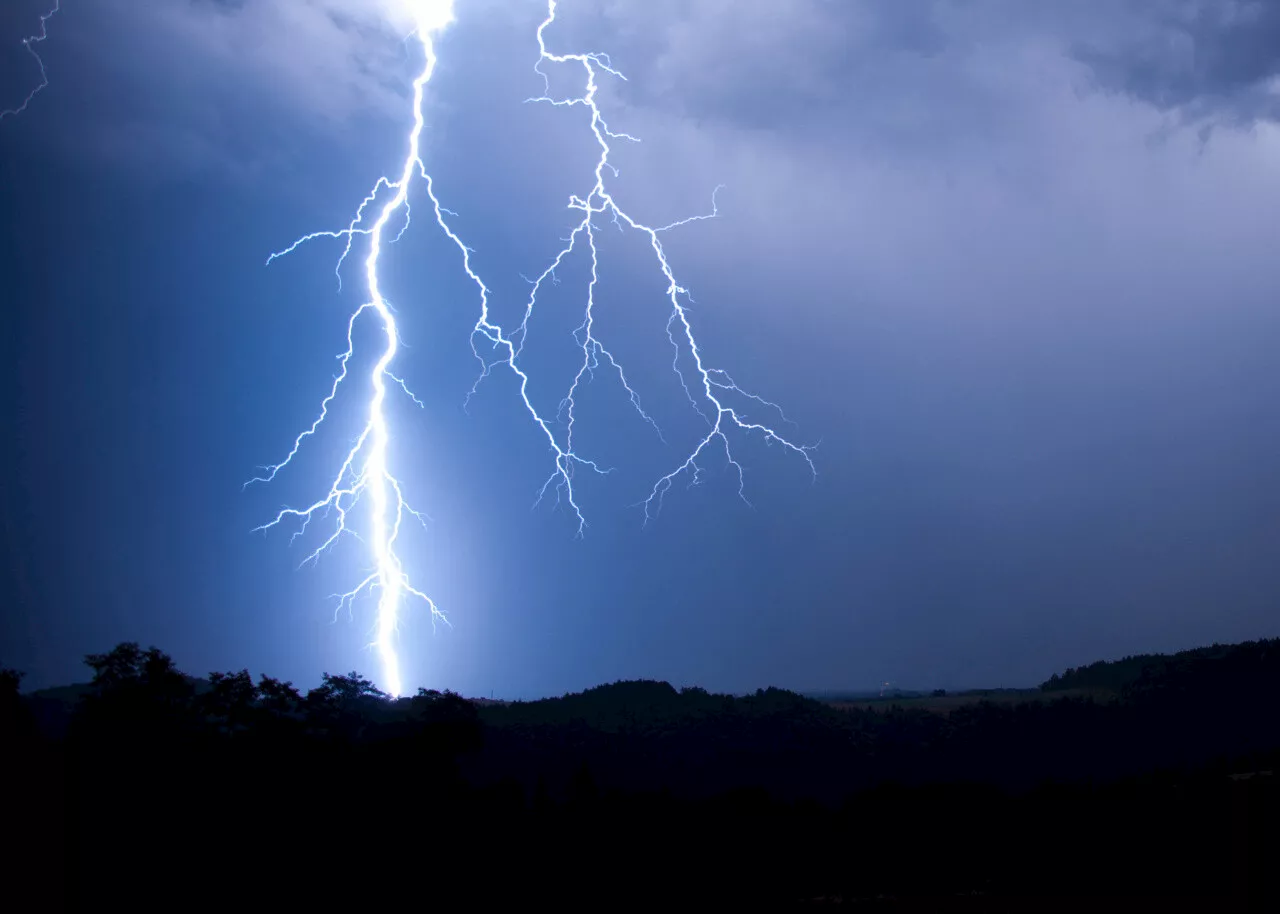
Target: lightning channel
(711,391)
(364,479)
(31,43)
(364,474)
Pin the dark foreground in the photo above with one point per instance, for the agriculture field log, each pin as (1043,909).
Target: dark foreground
(161,792)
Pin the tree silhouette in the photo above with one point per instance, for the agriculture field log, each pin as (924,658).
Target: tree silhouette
(348,688)
(136,693)
(16,720)
(231,702)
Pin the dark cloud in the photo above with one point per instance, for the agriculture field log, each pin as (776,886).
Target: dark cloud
(902,78)
(1210,60)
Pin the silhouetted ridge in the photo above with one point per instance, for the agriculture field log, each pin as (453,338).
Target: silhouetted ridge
(155,782)
(1117,675)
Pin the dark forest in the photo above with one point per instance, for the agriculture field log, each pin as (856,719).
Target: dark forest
(1141,784)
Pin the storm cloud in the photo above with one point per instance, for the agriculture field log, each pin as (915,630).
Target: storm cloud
(1209,59)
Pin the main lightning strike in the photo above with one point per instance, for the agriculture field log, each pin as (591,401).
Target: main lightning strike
(364,471)
(715,386)
(30,43)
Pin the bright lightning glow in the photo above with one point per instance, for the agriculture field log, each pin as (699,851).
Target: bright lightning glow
(429,16)
(364,471)
(716,390)
(30,43)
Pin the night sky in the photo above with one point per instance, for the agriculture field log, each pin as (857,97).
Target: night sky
(1013,267)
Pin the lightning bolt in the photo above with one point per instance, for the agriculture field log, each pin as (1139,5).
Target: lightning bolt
(30,43)
(713,392)
(364,472)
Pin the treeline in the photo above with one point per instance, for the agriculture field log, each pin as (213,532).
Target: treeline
(169,790)
(1119,675)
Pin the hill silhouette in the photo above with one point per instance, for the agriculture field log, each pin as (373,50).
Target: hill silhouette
(152,785)
(1127,672)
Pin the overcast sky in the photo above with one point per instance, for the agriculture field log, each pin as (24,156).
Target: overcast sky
(1010,265)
